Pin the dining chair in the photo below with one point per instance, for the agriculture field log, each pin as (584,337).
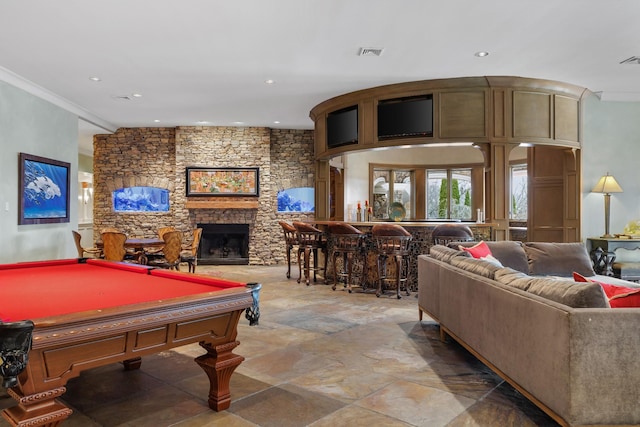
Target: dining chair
(109,229)
(81,250)
(189,253)
(163,230)
(170,251)
(114,249)
(156,253)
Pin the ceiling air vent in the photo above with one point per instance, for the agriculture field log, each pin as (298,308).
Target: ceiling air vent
(370,51)
(632,60)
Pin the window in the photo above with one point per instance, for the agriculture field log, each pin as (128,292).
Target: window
(518,202)
(449,194)
(392,185)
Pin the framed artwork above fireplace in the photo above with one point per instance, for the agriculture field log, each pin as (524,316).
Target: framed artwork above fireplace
(227,181)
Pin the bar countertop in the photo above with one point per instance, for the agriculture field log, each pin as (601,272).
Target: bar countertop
(407,223)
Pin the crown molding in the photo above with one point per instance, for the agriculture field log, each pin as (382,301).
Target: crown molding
(20,82)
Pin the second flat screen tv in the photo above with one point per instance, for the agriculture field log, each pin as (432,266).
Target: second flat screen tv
(342,127)
(405,117)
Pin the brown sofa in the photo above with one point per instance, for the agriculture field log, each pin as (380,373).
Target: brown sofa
(557,341)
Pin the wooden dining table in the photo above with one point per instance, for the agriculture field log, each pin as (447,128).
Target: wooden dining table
(139,244)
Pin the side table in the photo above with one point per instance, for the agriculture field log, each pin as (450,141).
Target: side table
(602,252)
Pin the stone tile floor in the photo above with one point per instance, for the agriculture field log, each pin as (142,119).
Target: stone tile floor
(318,358)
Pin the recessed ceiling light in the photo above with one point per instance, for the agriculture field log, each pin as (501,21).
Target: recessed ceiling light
(277,122)
(136,95)
(269,81)
(156,121)
(238,123)
(481,54)
(202,122)
(95,79)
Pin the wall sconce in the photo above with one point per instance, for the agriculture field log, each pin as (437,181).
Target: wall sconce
(606,185)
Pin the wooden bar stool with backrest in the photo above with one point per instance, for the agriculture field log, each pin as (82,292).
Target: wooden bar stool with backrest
(310,240)
(392,241)
(347,241)
(290,240)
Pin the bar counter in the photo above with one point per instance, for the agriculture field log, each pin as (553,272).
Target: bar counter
(422,241)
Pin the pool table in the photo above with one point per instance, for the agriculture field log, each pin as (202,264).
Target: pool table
(89,313)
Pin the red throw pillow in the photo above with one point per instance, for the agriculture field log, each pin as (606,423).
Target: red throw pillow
(619,296)
(479,250)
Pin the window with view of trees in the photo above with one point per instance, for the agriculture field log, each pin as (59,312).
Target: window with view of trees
(519,180)
(432,192)
(391,185)
(449,194)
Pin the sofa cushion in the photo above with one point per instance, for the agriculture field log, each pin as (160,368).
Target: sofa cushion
(493,260)
(512,277)
(619,296)
(444,253)
(568,292)
(476,266)
(558,259)
(508,252)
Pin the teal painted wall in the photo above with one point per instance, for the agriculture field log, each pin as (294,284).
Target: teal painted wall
(611,143)
(31,125)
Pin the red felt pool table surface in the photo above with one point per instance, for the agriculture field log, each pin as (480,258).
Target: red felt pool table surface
(42,289)
(93,313)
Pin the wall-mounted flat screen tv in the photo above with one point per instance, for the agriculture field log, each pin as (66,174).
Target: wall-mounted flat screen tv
(342,127)
(409,117)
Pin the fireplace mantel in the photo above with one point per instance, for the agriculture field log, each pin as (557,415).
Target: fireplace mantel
(226,203)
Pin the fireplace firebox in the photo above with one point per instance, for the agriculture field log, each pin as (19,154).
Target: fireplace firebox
(224,244)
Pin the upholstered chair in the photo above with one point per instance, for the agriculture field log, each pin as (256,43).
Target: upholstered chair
(93,252)
(189,253)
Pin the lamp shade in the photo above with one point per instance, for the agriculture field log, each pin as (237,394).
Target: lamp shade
(607,184)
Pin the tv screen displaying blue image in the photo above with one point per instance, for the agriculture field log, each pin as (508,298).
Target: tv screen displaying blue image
(297,199)
(141,199)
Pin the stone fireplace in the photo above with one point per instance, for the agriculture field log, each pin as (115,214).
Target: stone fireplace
(159,157)
(224,244)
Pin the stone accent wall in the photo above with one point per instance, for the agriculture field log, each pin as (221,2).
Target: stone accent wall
(292,166)
(230,147)
(160,156)
(133,157)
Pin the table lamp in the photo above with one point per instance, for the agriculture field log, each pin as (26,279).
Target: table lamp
(606,185)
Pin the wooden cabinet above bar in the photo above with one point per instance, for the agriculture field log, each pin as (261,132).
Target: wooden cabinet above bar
(468,109)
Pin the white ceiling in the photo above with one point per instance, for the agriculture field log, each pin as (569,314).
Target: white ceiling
(207,60)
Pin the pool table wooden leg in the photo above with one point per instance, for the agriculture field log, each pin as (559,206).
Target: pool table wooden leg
(219,363)
(38,409)
(132,364)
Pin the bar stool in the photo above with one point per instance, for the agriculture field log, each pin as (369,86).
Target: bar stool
(290,239)
(444,234)
(392,240)
(310,240)
(347,241)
